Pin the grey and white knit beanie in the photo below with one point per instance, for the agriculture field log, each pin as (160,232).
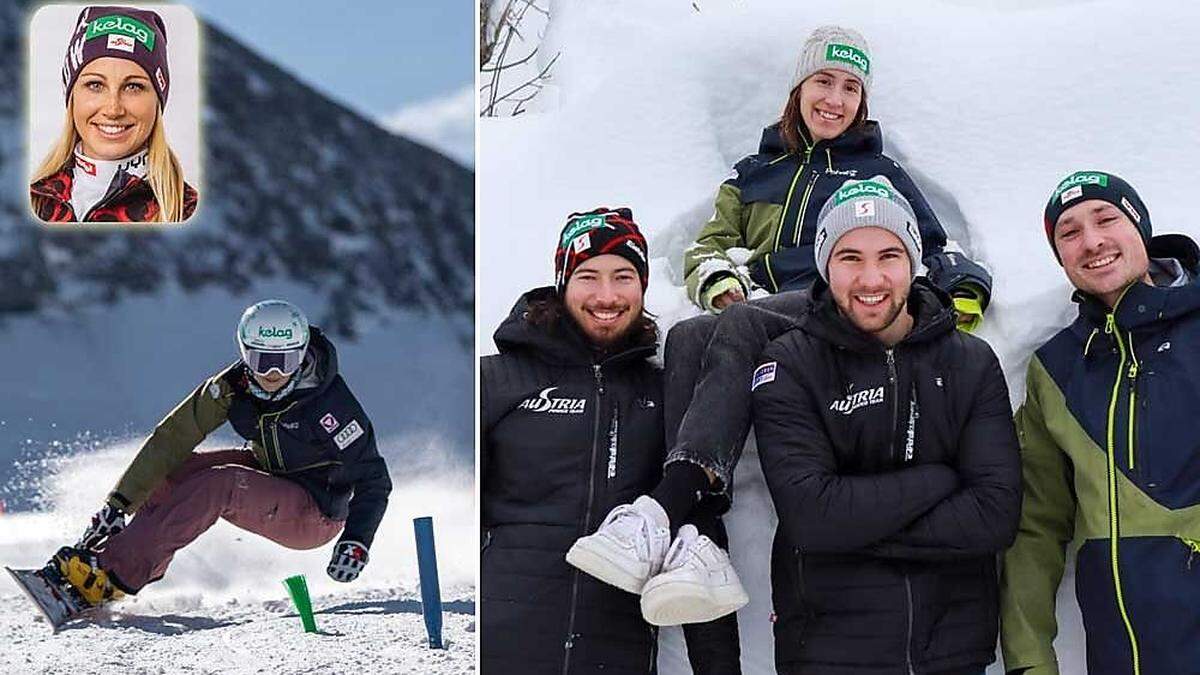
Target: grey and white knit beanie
(837,48)
(866,203)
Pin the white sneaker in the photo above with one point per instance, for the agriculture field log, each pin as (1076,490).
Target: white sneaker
(697,583)
(628,548)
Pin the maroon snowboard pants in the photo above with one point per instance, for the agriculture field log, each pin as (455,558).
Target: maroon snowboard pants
(224,484)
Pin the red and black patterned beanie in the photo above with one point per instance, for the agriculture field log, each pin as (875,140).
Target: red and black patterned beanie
(599,232)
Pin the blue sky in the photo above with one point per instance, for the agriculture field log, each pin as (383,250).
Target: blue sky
(407,63)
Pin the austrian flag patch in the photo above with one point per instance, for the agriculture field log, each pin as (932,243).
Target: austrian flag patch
(763,374)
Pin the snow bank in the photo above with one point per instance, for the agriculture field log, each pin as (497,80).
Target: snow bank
(988,104)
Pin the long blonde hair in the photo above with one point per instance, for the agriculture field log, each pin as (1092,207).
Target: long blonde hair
(165,173)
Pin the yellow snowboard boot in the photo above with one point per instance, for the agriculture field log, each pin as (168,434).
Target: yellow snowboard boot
(80,569)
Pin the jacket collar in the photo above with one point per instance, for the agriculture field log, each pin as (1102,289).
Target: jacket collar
(867,138)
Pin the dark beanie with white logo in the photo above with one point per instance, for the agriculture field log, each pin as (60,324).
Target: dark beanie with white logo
(136,35)
(1084,185)
(866,203)
(601,231)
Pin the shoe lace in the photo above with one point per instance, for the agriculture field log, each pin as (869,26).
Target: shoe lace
(627,523)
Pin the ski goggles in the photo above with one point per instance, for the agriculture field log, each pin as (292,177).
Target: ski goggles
(263,362)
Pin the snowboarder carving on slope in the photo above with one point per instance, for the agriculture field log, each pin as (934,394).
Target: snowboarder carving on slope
(309,470)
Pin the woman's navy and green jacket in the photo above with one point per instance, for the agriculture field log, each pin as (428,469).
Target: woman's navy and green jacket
(770,204)
(1110,449)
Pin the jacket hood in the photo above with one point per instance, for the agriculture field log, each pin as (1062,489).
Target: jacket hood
(561,344)
(320,363)
(931,308)
(1143,304)
(867,138)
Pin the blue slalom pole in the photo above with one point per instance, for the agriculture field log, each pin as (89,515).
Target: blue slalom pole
(431,596)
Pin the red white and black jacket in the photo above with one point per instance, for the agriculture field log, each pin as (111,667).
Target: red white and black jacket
(129,200)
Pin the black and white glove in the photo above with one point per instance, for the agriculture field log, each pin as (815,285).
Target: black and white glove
(109,521)
(349,558)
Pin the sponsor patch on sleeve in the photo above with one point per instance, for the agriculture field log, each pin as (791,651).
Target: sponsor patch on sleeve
(763,374)
(350,433)
(329,423)
(214,390)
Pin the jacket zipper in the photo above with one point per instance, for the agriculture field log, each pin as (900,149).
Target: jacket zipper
(804,205)
(908,641)
(1114,531)
(891,373)
(274,434)
(1132,373)
(801,593)
(787,203)
(111,198)
(587,519)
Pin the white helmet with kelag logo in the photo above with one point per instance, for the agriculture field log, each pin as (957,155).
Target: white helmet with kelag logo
(273,335)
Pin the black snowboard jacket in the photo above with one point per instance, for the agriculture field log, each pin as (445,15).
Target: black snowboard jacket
(318,436)
(896,477)
(566,434)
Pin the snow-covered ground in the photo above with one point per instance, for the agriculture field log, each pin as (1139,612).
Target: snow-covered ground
(222,606)
(989,104)
(358,632)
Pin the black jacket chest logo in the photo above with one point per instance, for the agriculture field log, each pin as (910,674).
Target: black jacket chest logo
(544,403)
(856,400)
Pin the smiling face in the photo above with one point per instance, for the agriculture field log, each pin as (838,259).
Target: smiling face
(604,297)
(1101,249)
(272,382)
(829,101)
(870,277)
(114,107)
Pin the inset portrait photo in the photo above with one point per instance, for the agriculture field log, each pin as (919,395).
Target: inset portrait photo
(114,114)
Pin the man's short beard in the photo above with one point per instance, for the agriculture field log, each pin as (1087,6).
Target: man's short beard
(892,316)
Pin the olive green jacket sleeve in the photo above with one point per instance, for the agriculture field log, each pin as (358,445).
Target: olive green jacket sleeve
(707,260)
(173,441)
(1033,566)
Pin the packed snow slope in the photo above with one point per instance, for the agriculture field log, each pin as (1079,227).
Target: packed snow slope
(222,606)
(988,104)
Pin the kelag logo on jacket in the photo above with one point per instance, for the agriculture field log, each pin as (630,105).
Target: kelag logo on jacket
(542,403)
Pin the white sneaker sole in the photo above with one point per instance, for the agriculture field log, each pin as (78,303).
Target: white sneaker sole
(594,556)
(673,602)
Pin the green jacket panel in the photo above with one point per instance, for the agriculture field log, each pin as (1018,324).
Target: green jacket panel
(172,442)
(733,225)
(1066,500)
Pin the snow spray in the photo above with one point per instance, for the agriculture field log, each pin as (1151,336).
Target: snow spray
(298,589)
(431,596)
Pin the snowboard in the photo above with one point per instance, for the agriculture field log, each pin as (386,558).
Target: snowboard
(54,598)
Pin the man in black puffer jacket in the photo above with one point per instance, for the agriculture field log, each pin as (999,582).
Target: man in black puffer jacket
(887,443)
(571,426)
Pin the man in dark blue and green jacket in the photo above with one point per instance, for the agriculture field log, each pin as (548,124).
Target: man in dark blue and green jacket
(1110,446)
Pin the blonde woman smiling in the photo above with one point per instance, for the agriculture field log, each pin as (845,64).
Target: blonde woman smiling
(112,161)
